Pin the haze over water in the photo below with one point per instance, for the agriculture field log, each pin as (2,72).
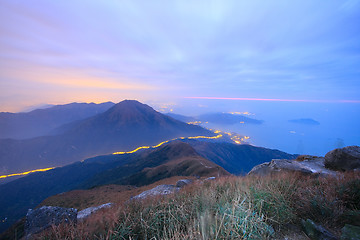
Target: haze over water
(338,126)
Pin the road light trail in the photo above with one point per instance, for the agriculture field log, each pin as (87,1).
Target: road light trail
(219,135)
(26,173)
(162,143)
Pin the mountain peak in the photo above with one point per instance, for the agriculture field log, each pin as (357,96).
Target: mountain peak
(130,111)
(130,103)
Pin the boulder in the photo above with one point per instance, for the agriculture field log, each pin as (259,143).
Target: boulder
(183,182)
(276,166)
(350,232)
(210,179)
(46,216)
(306,165)
(88,211)
(158,190)
(343,159)
(317,232)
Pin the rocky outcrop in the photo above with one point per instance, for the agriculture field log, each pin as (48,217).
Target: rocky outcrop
(88,211)
(183,182)
(317,232)
(42,218)
(306,165)
(343,159)
(350,232)
(158,190)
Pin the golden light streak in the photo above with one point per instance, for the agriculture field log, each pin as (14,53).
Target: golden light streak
(162,143)
(235,139)
(26,173)
(195,122)
(241,113)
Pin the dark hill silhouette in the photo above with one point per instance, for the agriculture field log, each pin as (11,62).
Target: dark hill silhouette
(227,118)
(305,121)
(41,122)
(123,127)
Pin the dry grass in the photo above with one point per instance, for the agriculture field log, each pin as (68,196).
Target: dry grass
(118,194)
(228,208)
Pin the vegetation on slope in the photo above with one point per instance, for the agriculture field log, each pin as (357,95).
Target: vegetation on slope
(228,208)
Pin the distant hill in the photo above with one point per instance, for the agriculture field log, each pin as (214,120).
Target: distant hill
(125,126)
(305,121)
(237,158)
(173,159)
(217,118)
(227,118)
(140,168)
(41,122)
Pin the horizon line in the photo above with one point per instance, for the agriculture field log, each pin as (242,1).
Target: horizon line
(275,99)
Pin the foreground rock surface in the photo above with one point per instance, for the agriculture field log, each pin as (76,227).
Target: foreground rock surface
(306,165)
(183,182)
(42,218)
(350,232)
(317,232)
(158,190)
(343,159)
(88,211)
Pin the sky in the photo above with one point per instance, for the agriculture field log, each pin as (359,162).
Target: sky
(166,51)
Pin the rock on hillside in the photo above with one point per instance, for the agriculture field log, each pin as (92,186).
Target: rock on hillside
(342,159)
(46,216)
(90,210)
(306,165)
(158,190)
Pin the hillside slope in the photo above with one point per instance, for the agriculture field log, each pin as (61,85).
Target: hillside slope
(173,159)
(140,168)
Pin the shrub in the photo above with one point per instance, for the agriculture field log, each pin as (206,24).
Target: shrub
(349,193)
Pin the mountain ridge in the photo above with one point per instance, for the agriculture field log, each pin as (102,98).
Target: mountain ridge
(40,122)
(104,133)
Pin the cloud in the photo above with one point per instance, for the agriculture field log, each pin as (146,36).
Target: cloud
(211,48)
